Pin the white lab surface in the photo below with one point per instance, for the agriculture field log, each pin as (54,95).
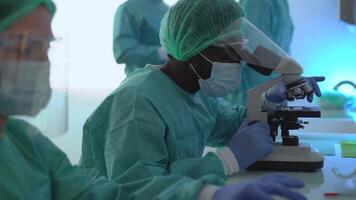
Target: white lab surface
(319,182)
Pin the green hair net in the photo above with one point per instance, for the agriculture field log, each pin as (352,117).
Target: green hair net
(13,10)
(190,26)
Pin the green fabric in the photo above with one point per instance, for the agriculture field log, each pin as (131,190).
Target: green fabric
(136,33)
(190,26)
(13,10)
(150,124)
(164,187)
(34,168)
(272,17)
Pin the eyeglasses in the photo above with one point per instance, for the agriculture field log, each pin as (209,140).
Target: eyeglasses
(25,46)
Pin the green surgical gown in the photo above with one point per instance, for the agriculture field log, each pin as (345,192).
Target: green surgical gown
(272,17)
(151,124)
(34,168)
(136,33)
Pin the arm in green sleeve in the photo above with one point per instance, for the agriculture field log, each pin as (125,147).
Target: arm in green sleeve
(161,187)
(71,182)
(229,119)
(153,187)
(126,41)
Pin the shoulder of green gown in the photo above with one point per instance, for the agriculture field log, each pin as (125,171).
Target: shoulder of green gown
(140,79)
(26,137)
(20,129)
(135,8)
(244,3)
(142,83)
(127,8)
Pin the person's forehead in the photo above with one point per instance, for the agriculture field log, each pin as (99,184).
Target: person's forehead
(214,49)
(37,23)
(216,52)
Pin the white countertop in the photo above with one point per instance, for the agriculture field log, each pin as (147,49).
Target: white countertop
(316,183)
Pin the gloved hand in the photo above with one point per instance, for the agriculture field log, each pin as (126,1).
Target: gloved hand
(313,83)
(278,93)
(262,189)
(251,143)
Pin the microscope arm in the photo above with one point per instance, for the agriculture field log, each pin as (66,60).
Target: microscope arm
(254,100)
(290,72)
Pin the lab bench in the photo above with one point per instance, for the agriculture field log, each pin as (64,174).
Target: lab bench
(322,181)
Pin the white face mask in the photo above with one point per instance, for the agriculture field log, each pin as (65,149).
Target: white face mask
(225,78)
(24,87)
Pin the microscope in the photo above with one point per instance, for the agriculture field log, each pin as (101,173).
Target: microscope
(253,48)
(287,154)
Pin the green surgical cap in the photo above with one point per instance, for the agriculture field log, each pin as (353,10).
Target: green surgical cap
(190,26)
(13,10)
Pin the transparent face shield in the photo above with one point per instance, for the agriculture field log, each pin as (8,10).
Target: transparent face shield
(248,44)
(257,51)
(33,81)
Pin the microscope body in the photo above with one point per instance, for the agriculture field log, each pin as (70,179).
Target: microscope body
(286,118)
(288,155)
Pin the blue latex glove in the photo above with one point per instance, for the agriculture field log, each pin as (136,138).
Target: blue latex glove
(313,82)
(251,143)
(278,93)
(262,189)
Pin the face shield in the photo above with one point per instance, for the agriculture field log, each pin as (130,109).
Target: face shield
(248,44)
(33,81)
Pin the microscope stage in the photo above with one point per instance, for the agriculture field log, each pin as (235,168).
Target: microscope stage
(299,111)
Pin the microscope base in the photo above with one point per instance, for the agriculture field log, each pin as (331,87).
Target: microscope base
(290,158)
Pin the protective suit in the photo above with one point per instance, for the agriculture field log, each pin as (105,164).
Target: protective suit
(151,123)
(33,167)
(136,33)
(272,17)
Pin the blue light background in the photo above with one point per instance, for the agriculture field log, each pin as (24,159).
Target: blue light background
(322,43)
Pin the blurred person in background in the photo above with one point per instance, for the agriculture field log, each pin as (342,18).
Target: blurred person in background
(272,17)
(136,34)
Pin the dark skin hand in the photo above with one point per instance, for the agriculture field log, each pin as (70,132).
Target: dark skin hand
(183,75)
